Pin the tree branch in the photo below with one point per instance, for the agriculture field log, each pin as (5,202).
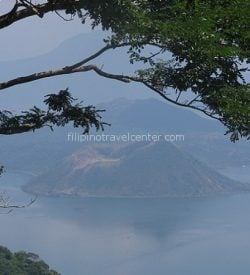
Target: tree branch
(60,111)
(31,6)
(96,54)
(75,68)
(4,204)
(61,71)
(186,105)
(40,9)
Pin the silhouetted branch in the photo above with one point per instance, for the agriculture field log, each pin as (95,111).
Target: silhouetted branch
(60,112)
(75,68)
(30,10)
(5,204)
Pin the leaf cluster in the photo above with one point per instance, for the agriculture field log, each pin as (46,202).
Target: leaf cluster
(61,111)
(22,263)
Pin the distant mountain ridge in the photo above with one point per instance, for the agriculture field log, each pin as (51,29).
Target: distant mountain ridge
(142,169)
(155,115)
(35,152)
(204,138)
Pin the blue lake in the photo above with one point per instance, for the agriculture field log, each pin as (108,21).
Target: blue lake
(198,236)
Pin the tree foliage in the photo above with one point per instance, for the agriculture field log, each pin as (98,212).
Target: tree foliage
(200,56)
(22,263)
(61,111)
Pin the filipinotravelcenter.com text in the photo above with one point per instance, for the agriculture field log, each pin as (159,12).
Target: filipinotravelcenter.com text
(128,137)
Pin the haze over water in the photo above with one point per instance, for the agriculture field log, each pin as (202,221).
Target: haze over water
(133,236)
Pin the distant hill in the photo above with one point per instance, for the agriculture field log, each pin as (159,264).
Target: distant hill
(88,86)
(34,151)
(142,169)
(204,138)
(155,115)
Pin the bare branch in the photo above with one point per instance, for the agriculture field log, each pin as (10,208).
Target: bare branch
(194,100)
(123,78)
(11,207)
(63,18)
(178,97)
(186,105)
(6,205)
(61,71)
(75,68)
(97,54)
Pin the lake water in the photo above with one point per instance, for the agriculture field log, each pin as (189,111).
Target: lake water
(202,236)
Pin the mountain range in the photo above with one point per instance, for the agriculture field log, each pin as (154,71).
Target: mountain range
(204,138)
(43,152)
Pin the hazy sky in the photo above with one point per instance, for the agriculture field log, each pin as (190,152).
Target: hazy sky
(35,36)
